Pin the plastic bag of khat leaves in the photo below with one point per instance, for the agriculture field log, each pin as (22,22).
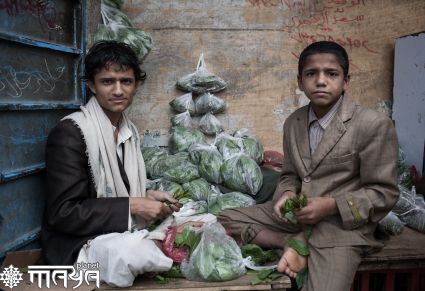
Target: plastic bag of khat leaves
(251,145)
(182,119)
(228,145)
(208,102)
(209,161)
(210,125)
(391,224)
(199,189)
(191,208)
(201,80)
(242,174)
(230,200)
(167,162)
(117,26)
(182,173)
(117,4)
(217,257)
(183,103)
(151,156)
(182,138)
(409,210)
(170,187)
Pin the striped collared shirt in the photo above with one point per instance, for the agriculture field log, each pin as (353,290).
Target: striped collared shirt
(317,126)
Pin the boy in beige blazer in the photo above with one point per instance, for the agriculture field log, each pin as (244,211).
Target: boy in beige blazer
(344,157)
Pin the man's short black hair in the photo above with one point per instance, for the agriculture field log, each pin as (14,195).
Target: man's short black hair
(105,53)
(324,47)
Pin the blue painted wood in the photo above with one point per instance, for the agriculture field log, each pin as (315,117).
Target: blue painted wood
(39,44)
(22,205)
(46,106)
(40,82)
(12,175)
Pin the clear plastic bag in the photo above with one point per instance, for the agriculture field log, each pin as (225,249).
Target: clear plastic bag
(251,145)
(408,209)
(209,161)
(228,145)
(170,187)
(391,224)
(182,138)
(199,189)
(201,80)
(208,102)
(210,125)
(228,201)
(217,257)
(183,103)
(182,119)
(241,173)
(117,26)
(151,156)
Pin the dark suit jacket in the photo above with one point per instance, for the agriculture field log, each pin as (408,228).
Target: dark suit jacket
(73,213)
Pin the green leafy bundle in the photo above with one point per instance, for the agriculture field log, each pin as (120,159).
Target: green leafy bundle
(182,138)
(242,174)
(209,161)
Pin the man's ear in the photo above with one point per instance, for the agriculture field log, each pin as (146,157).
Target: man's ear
(91,87)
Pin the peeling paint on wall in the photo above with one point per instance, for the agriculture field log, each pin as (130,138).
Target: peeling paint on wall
(155,138)
(289,105)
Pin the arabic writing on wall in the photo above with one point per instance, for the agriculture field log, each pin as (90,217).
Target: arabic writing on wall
(321,22)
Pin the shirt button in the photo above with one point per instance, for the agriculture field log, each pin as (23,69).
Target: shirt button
(307,179)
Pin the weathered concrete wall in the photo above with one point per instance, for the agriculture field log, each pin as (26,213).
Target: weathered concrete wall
(254,46)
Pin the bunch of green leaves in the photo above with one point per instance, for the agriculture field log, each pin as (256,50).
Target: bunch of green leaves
(228,201)
(182,173)
(228,145)
(201,83)
(258,255)
(151,156)
(183,103)
(266,276)
(293,204)
(210,125)
(241,173)
(209,161)
(198,189)
(182,138)
(218,262)
(209,103)
(251,145)
(188,238)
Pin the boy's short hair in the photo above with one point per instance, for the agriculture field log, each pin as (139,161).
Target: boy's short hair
(324,47)
(105,53)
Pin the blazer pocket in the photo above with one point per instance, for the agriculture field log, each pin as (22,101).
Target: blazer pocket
(332,160)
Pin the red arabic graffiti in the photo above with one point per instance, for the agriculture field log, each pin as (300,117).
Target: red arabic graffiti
(319,25)
(347,42)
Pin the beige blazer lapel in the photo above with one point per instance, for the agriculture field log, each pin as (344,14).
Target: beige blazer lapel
(302,138)
(333,132)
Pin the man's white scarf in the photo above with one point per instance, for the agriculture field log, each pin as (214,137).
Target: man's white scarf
(102,153)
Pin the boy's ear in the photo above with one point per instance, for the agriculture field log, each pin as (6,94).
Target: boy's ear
(91,87)
(300,84)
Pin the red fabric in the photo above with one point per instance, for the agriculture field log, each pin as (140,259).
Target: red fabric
(176,254)
(273,160)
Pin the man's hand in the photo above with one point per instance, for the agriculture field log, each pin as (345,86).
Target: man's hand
(164,197)
(156,205)
(317,208)
(277,208)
